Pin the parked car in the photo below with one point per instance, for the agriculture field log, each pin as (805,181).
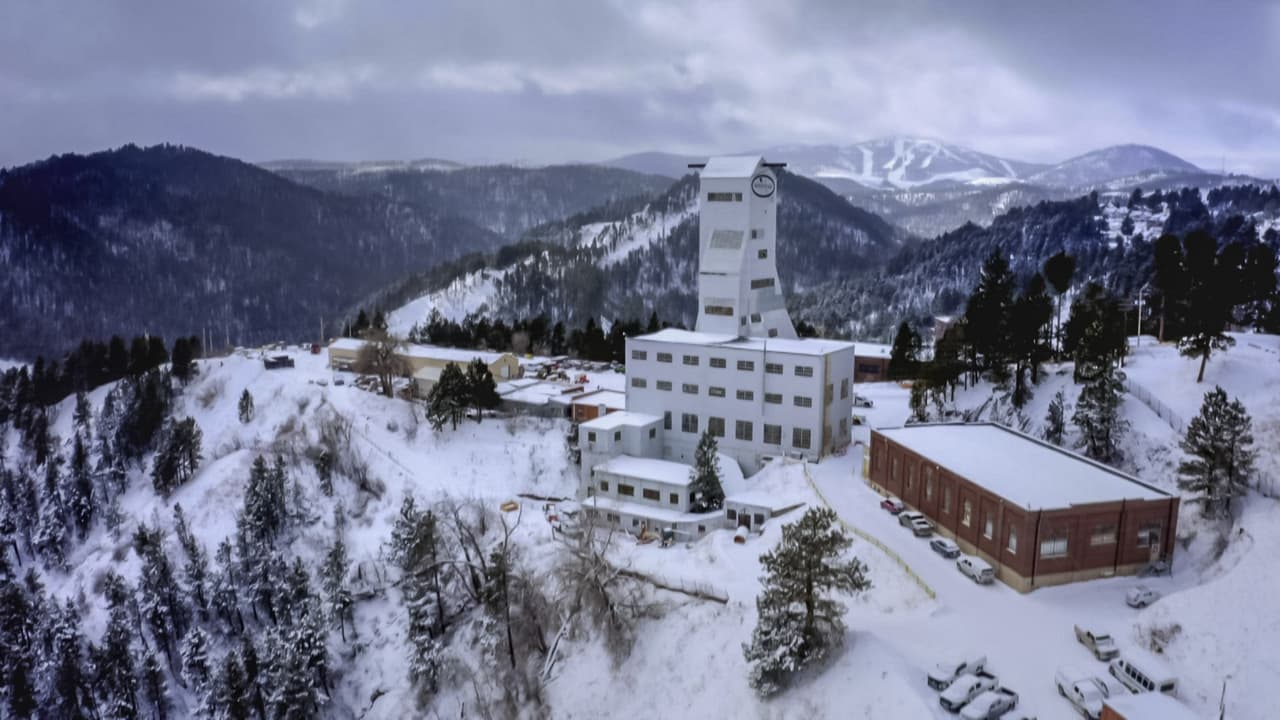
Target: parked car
(918,523)
(277,362)
(1141,596)
(1082,690)
(990,705)
(1099,643)
(965,688)
(944,547)
(1142,672)
(906,517)
(893,505)
(944,673)
(862,402)
(977,570)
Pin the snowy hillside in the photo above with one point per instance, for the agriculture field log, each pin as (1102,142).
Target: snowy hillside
(1117,161)
(900,162)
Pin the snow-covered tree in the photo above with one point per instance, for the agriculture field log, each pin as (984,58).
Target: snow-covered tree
(448,399)
(1055,420)
(196,569)
(482,392)
(799,619)
(80,488)
(230,692)
(380,356)
(52,533)
(1097,416)
(246,407)
(83,415)
(1220,442)
(195,658)
(161,603)
(333,576)
(115,671)
(704,477)
(154,686)
(179,457)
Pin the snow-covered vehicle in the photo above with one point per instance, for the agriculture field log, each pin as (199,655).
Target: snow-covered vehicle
(990,705)
(977,570)
(1099,643)
(918,523)
(944,673)
(893,505)
(862,402)
(944,547)
(967,687)
(1141,596)
(1082,690)
(1141,671)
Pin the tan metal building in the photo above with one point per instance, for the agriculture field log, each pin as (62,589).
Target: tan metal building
(1041,515)
(427,361)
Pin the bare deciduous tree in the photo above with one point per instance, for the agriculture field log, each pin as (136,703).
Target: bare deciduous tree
(380,357)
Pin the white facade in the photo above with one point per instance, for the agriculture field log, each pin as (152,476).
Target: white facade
(738,288)
(619,433)
(762,397)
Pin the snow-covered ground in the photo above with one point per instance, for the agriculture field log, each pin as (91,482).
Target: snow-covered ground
(688,661)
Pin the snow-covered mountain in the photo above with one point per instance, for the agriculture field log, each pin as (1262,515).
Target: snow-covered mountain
(1118,161)
(900,162)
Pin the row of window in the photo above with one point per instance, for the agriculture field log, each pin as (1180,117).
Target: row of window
(721,363)
(724,197)
(617,435)
(647,493)
(743,430)
(803,401)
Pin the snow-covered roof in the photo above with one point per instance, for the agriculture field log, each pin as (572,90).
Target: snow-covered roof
(798,346)
(731,166)
(778,486)
(862,349)
(621,418)
(611,399)
(430,372)
(652,469)
(427,352)
(1019,468)
(1149,706)
(654,512)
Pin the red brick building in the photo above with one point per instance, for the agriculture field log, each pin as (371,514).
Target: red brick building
(1039,514)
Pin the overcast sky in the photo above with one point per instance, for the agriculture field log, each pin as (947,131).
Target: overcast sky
(539,82)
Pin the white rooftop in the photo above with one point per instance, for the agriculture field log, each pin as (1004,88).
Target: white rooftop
(798,346)
(731,166)
(620,419)
(1150,706)
(611,399)
(862,349)
(640,468)
(1019,468)
(429,352)
(653,512)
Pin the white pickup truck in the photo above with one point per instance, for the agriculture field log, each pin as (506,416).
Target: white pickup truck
(967,687)
(944,673)
(1099,643)
(990,705)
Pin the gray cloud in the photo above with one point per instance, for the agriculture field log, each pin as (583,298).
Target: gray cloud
(486,81)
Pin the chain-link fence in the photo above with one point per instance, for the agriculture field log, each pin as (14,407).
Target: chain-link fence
(1157,406)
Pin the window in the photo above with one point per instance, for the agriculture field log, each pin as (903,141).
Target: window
(664,385)
(893,469)
(591,436)
(844,388)
(773,368)
(844,427)
(613,518)
(717,363)
(946,498)
(639,355)
(639,382)
(675,498)
(726,310)
(715,391)
(804,371)
(1054,546)
(666,420)
(604,486)
(989,527)
(1149,534)
(635,522)
(758,283)
(688,422)
(724,197)
(1102,535)
(715,426)
(758,519)
(689,388)
(726,239)
(731,514)
(625,489)
(773,332)
(773,398)
(748,365)
(755,317)
(967,517)
(653,433)
(756,233)
(772,434)
(803,401)
(801,437)
(1012,545)
(617,436)
(746,395)
(664,357)
(762,253)
(691,360)
(911,477)
(928,485)
(651,495)
(742,430)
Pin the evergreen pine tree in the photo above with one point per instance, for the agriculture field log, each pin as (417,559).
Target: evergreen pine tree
(1209,300)
(334,576)
(154,687)
(231,694)
(179,457)
(52,532)
(324,472)
(80,488)
(196,569)
(195,658)
(414,547)
(225,591)
(482,392)
(180,364)
(161,602)
(798,619)
(67,687)
(253,676)
(1220,442)
(83,416)
(447,401)
(704,477)
(904,358)
(1055,421)
(115,673)
(1097,415)
(989,314)
(1028,344)
(246,407)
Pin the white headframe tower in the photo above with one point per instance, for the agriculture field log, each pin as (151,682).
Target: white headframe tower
(738,289)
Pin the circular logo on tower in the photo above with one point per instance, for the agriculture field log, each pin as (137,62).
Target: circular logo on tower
(762,185)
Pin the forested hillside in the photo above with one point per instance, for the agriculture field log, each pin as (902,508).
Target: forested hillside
(172,240)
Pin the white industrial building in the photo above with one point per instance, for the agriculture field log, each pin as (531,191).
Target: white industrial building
(742,375)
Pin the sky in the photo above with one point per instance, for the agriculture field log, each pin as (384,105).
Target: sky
(586,80)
